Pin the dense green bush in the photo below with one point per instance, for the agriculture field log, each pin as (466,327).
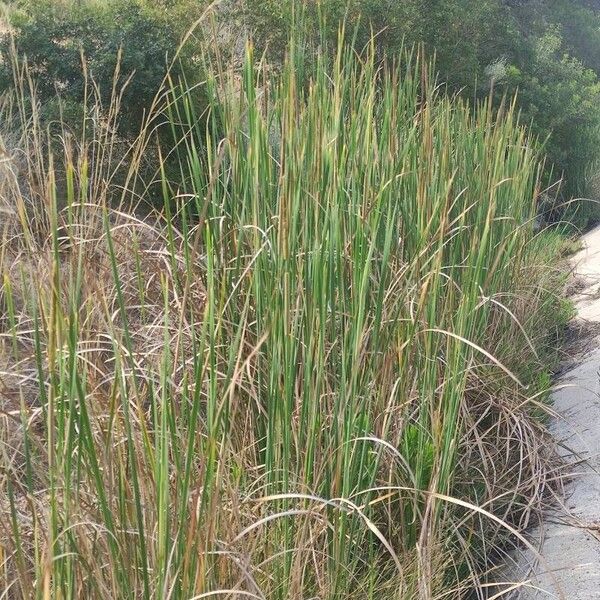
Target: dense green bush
(126,39)
(562,99)
(465,34)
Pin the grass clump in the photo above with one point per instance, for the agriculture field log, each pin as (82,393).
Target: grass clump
(302,377)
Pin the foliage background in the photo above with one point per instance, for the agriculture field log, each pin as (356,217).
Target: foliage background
(546,50)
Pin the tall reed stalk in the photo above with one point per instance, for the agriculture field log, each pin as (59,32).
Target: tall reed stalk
(261,391)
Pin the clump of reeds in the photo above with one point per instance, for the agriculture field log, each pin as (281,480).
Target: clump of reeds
(296,379)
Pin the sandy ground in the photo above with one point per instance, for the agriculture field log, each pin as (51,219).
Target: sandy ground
(569,566)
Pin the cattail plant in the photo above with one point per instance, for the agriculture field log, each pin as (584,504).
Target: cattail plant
(265,388)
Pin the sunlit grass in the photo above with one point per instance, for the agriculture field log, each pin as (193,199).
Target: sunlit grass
(276,386)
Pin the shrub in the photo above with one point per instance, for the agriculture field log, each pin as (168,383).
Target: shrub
(560,98)
(122,42)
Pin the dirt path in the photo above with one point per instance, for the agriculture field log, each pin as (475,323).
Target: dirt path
(571,534)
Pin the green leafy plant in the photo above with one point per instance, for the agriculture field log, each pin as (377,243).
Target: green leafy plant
(120,44)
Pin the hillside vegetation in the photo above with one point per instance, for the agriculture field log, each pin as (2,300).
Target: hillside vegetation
(280,328)
(546,50)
